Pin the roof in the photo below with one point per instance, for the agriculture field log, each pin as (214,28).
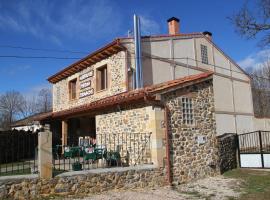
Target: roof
(96,56)
(132,96)
(29,120)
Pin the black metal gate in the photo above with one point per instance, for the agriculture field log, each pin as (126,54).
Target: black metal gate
(254,149)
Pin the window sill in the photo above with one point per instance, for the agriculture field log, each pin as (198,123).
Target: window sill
(100,91)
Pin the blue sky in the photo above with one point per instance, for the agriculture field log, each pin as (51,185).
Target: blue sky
(87,25)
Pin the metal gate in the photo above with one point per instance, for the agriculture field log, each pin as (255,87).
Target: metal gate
(254,149)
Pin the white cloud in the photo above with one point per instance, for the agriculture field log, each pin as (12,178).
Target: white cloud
(71,19)
(255,60)
(149,26)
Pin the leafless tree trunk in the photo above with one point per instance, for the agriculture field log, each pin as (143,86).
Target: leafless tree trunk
(10,106)
(261,90)
(45,100)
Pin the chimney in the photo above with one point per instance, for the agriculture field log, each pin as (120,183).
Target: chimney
(208,34)
(173,25)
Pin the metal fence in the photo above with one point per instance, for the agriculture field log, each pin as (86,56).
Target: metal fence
(254,149)
(110,150)
(18,150)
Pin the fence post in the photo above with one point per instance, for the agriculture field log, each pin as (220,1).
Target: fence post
(261,148)
(238,158)
(45,153)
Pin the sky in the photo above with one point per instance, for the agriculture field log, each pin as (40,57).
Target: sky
(83,26)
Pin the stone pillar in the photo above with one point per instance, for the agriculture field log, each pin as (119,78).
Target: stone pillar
(45,153)
(64,133)
(158,135)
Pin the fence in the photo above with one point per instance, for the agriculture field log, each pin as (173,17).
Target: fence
(18,150)
(254,149)
(111,150)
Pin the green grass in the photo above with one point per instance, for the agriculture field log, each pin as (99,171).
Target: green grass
(16,172)
(256,183)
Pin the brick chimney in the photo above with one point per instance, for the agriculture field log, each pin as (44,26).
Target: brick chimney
(208,34)
(173,25)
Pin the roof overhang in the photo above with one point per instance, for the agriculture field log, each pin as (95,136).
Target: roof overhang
(102,53)
(145,95)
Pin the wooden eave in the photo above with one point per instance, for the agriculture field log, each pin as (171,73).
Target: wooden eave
(100,54)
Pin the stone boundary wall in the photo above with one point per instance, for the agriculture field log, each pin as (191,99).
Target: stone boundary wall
(83,183)
(227,144)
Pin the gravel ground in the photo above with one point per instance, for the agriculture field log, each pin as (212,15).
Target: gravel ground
(214,188)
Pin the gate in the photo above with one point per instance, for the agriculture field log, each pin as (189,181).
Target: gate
(254,149)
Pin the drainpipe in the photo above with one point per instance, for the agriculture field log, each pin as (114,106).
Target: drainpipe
(166,122)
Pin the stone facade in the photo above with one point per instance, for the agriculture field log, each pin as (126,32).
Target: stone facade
(84,184)
(193,147)
(132,131)
(227,152)
(117,83)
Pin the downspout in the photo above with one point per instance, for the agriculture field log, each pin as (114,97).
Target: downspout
(166,122)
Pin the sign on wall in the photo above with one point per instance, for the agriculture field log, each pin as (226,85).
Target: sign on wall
(87,75)
(87,93)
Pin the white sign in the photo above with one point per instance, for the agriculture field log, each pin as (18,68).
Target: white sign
(87,75)
(87,93)
(85,84)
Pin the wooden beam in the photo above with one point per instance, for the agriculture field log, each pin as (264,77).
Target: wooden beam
(64,134)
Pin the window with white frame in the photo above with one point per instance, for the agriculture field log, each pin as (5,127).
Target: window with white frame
(187,111)
(204,54)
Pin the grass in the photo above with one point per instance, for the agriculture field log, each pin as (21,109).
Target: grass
(256,183)
(16,172)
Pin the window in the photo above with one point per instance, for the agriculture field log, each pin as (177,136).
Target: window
(204,54)
(102,81)
(72,89)
(187,111)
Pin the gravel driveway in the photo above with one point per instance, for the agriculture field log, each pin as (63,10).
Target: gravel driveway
(213,188)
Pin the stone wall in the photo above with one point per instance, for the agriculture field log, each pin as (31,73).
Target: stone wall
(85,183)
(191,159)
(116,71)
(227,152)
(127,130)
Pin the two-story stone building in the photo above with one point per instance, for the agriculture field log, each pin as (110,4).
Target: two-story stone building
(192,92)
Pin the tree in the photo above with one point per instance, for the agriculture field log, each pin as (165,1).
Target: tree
(10,106)
(251,20)
(44,100)
(261,90)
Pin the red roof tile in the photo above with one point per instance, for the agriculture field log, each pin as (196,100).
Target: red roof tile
(130,96)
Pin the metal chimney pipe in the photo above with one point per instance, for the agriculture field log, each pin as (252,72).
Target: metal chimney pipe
(137,46)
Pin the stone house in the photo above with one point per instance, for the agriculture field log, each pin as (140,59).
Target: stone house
(192,92)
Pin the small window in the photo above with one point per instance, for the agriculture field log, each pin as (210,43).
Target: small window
(204,54)
(187,111)
(102,79)
(73,89)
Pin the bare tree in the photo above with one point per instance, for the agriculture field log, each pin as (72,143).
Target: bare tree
(261,90)
(253,18)
(10,106)
(29,107)
(44,100)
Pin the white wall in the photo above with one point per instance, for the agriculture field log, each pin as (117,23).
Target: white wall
(262,124)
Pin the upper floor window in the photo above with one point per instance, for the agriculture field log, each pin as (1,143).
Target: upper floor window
(204,54)
(73,89)
(102,78)
(187,111)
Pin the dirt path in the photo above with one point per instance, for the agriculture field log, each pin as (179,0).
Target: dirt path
(214,188)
